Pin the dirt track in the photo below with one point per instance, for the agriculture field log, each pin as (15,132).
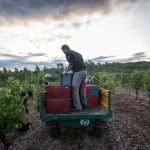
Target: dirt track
(70,139)
(129,129)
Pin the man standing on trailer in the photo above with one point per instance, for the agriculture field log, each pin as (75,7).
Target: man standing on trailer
(76,63)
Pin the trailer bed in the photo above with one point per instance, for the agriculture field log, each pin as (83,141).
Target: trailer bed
(103,111)
(95,118)
(93,110)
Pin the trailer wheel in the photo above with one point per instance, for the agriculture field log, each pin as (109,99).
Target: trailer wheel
(97,132)
(54,132)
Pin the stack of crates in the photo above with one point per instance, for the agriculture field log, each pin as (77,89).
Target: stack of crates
(92,93)
(58,99)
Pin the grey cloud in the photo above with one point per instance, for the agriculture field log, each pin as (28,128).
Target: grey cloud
(58,60)
(23,58)
(17,61)
(56,8)
(101,59)
(21,63)
(11,64)
(36,54)
(130,2)
(135,57)
(10,56)
(16,10)
(140,54)
(24,11)
(129,60)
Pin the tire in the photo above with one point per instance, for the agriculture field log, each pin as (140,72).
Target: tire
(54,132)
(97,132)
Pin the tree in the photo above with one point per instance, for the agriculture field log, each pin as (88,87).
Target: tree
(137,81)
(126,81)
(37,69)
(60,66)
(147,82)
(5,76)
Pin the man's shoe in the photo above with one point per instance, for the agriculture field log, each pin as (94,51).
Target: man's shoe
(85,107)
(77,110)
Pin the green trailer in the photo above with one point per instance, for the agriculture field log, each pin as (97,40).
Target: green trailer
(96,118)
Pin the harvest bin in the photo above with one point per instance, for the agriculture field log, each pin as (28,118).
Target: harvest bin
(92,101)
(58,99)
(66,79)
(58,92)
(92,94)
(92,90)
(58,106)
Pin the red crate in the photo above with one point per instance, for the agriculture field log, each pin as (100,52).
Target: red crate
(58,106)
(92,90)
(93,101)
(58,92)
(87,87)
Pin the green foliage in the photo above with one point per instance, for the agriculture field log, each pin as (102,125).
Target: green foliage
(146,80)
(38,86)
(126,79)
(105,80)
(12,110)
(15,86)
(137,79)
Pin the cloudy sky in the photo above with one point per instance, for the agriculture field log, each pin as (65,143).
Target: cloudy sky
(32,31)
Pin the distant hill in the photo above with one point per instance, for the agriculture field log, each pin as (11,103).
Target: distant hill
(117,67)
